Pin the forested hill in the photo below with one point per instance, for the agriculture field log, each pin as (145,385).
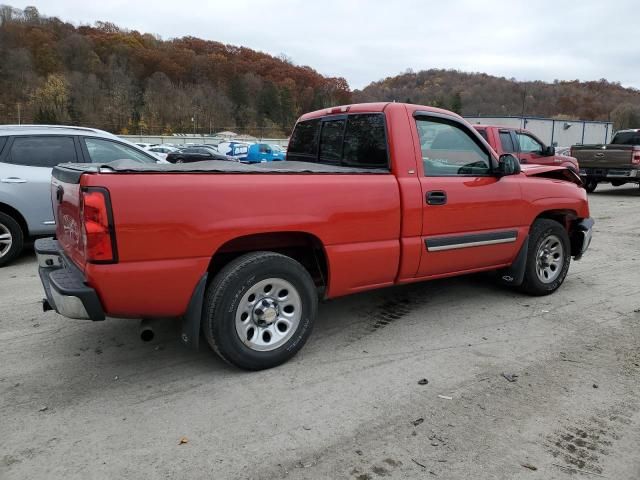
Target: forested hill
(479,93)
(130,82)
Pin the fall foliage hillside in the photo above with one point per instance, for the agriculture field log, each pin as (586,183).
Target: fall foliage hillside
(479,93)
(131,82)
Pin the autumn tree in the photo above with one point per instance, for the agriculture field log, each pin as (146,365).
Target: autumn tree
(51,100)
(626,115)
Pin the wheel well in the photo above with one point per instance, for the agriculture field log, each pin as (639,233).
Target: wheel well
(303,247)
(563,217)
(15,214)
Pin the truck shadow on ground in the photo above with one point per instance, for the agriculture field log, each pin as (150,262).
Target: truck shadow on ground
(627,191)
(101,356)
(92,359)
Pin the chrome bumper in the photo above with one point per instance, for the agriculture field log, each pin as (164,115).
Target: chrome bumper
(63,283)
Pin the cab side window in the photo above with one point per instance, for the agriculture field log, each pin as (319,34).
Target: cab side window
(528,144)
(42,151)
(449,150)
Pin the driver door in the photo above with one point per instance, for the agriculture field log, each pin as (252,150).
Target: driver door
(471,217)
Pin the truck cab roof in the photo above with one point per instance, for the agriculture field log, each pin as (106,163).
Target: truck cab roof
(375,107)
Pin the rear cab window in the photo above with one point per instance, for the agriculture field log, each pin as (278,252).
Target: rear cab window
(626,138)
(355,140)
(483,134)
(42,151)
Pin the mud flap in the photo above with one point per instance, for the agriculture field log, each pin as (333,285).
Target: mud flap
(514,274)
(190,333)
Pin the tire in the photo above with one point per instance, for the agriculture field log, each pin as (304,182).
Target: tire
(544,272)
(259,310)
(590,185)
(11,239)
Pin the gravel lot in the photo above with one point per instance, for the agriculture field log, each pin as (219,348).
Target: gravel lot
(90,400)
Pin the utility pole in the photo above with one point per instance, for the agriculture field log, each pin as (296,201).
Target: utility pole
(524,99)
(19,117)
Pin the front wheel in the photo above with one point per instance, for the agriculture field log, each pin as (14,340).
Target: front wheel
(548,258)
(259,310)
(590,185)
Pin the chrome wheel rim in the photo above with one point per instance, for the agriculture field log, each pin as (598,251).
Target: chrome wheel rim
(6,240)
(268,314)
(549,259)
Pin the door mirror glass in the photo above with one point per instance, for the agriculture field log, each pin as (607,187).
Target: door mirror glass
(508,165)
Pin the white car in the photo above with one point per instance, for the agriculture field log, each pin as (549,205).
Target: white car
(144,145)
(161,151)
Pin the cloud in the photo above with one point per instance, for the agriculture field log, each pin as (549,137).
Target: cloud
(365,41)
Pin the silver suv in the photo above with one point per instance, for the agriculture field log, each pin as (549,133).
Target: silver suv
(27,155)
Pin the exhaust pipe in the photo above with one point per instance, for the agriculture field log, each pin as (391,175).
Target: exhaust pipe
(146,330)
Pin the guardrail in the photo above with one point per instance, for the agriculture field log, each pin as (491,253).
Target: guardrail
(199,139)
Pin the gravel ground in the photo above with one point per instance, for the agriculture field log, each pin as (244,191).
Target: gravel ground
(89,400)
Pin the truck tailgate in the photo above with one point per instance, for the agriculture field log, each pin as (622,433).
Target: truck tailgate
(66,201)
(604,156)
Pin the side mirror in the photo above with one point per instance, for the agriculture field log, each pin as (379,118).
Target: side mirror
(508,165)
(548,151)
(269,151)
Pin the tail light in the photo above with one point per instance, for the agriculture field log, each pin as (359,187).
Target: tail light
(98,234)
(635,159)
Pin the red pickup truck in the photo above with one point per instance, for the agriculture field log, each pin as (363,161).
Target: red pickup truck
(524,145)
(371,195)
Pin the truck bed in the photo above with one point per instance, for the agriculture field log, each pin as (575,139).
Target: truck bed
(71,172)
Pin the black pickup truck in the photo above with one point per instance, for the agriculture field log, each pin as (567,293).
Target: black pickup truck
(617,162)
(197,153)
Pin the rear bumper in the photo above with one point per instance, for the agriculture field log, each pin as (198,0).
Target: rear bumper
(63,283)
(581,237)
(602,174)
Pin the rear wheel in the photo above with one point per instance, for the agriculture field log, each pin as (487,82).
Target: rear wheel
(259,310)
(548,259)
(590,185)
(11,239)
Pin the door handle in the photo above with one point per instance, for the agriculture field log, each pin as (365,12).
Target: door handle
(436,197)
(13,180)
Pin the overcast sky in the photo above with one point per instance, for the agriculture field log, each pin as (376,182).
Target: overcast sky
(365,41)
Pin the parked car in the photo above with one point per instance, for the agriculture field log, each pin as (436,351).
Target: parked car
(524,145)
(241,253)
(161,151)
(237,150)
(263,152)
(196,154)
(144,146)
(617,162)
(27,155)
